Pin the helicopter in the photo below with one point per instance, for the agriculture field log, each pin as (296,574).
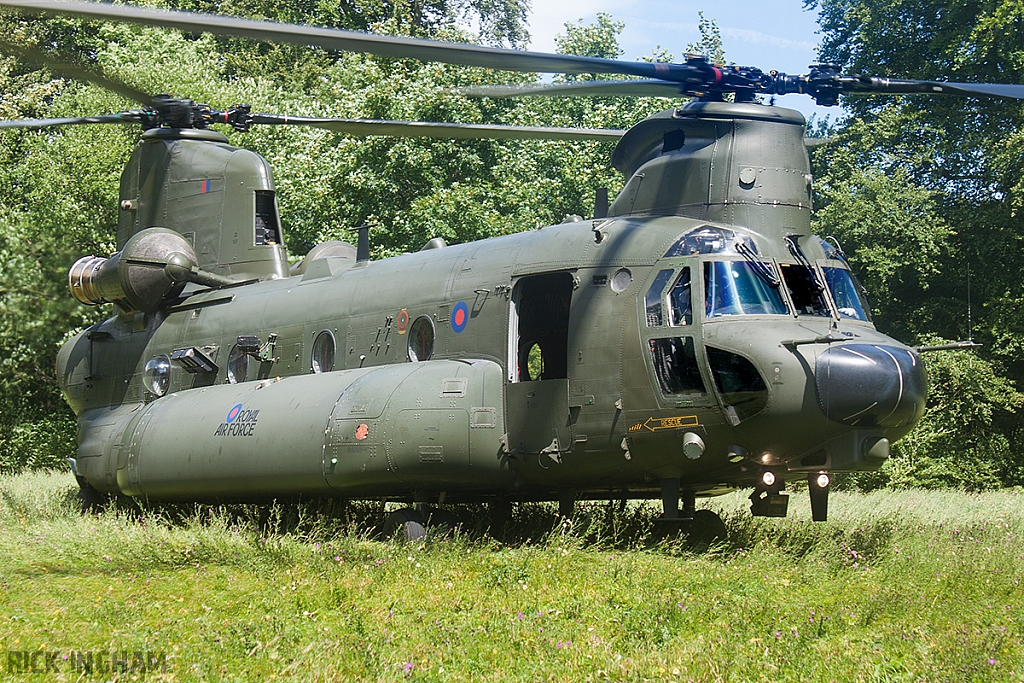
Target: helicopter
(690,338)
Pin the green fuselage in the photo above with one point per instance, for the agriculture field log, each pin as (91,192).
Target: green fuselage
(694,340)
(597,421)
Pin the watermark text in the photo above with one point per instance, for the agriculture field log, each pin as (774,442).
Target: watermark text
(85,662)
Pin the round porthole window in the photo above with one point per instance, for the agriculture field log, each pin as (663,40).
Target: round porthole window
(621,280)
(323,352)
(238,365)
(421,339)
(157,375)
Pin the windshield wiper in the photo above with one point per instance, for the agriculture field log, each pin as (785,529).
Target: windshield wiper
(794,248)
(831,240)
(760,268)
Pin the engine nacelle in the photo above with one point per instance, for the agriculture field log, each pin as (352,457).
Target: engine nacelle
(155,263)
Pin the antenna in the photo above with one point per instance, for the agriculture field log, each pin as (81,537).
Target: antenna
(363,244)
(970,329)
(601,203)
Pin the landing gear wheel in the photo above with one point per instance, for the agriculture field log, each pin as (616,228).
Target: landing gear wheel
(91,500)
(442,523)
(406,524)
(500,517)
(707,528)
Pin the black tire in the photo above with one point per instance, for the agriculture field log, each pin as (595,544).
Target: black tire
(500,517)
(707,528)
(406,524)
(91,500)
(442,523)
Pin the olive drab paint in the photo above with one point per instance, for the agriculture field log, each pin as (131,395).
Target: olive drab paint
(695,340)
(215,195)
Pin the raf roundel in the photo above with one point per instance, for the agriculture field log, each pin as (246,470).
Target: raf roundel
(233,413)
(460,316)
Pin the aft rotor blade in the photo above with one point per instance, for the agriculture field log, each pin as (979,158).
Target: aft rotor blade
(389,46)
(635,88)
(426,129)
(76,72)
(893,85)
(82,120)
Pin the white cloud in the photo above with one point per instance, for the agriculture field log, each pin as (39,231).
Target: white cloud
(758,38)
(549,19)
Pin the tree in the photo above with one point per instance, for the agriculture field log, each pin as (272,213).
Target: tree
(920,187)
(58,188)
(710,43)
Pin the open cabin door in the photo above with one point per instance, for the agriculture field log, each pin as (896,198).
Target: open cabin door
(537,394)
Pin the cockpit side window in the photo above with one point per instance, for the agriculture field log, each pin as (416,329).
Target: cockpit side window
(849,296)
(679,309)
(741,288)
(675,364)
(805,290)
(652,301)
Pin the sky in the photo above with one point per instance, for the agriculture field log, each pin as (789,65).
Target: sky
(775,34)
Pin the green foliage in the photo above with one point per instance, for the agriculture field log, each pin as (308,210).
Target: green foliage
(591,40)
(710,43)
(962,154)
(891,228)
(499,22)
(918,189)
(969,435)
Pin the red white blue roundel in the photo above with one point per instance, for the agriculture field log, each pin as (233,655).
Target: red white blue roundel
(460,316)
(233,413)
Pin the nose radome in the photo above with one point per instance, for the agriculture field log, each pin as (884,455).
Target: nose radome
(870,385)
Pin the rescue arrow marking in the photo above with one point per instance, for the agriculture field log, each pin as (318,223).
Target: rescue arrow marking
(655,423)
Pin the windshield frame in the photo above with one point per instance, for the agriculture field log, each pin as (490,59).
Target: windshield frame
(769,265)
(858,290)
(818,275)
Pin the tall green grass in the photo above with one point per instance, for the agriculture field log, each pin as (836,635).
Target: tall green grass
(898,586)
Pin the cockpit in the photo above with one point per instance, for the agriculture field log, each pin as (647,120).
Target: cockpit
(711,275)
(739,281)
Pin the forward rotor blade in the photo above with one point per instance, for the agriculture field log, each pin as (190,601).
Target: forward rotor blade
(637,88)
(696,76)
(425,129)
(892,85)
(76,72)
(389,46)
(46,123)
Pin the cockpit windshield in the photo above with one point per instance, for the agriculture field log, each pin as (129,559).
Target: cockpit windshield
(804,289)
(847,293)
(740,288)
(710,240)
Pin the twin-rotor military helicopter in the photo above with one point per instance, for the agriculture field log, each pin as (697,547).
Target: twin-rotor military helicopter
(691,338)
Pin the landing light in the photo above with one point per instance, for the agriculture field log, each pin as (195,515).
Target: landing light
(157,375)
(822,481)
(768,478)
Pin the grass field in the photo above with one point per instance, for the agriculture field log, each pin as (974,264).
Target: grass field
(898,586)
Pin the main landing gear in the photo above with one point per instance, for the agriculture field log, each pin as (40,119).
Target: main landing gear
(411,524)
(767,500)
(701,527)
